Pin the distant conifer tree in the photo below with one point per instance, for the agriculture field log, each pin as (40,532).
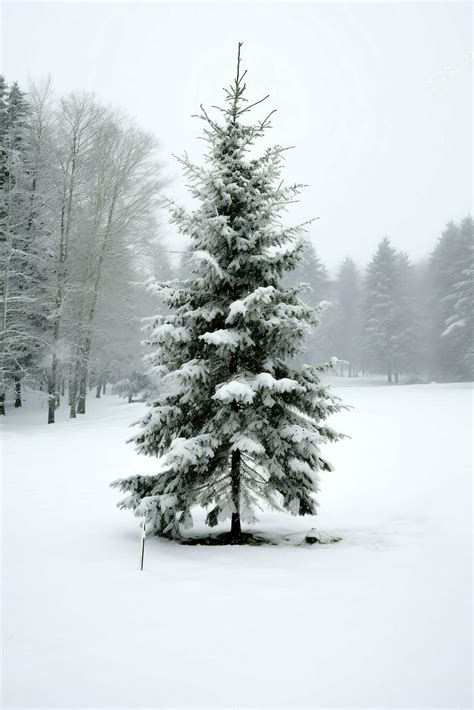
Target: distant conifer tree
(388,338)
(459,331)
(344,324)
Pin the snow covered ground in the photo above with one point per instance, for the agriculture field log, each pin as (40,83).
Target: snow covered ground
(379,620)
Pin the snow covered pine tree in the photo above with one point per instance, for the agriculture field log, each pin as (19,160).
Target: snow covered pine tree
(240,425)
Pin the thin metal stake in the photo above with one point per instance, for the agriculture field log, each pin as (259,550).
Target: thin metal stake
(142,555)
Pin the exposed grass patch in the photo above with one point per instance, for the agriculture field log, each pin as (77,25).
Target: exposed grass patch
(256,539)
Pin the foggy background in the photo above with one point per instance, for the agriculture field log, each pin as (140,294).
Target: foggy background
(98,100)
(375,97)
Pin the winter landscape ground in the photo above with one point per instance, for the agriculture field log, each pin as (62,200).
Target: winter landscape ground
(379,620)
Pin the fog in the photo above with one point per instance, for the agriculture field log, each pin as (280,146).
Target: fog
(376,98)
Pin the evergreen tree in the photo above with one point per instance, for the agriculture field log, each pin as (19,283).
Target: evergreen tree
(344,323)
(405,331)
(422,303)
(20,255)
(388,339)
(3,141)
(445,272)
(3,236)
(460,301)
(17,113)
(238,425)
(312,271)
(378,310)
(380,353)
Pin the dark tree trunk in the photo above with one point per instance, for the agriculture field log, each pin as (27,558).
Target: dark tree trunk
(235,529)
(129,398)
(63,386)
(59,379)
(104,388)
(17,391)
(53,386)
(98,390)
(51,399)
(2,403)
(73,394)
(84,352)
(81,404)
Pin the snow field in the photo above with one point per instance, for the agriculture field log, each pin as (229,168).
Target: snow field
(379,620)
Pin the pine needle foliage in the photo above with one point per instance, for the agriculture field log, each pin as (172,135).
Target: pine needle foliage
(238,426)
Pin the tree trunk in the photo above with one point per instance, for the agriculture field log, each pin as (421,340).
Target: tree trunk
(63,386)
(52,384)
(73,393)
(98,390)
(235,529)
(81,404)
(129,398)
(51,399)
(69,385)
(2,403)
(83,363)
(57,387)
(85,348)
(17,391)
(104,388)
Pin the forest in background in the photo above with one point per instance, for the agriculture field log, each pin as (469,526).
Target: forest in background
(81,188)
(395,317)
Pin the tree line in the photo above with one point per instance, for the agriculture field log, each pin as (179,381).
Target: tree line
(79,188)
(397,318)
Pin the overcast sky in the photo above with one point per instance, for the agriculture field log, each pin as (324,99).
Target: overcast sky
(376,98)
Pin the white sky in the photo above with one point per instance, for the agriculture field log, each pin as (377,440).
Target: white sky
(375,97)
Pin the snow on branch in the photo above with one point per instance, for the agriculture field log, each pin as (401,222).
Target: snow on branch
(225,338)
(235,391)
